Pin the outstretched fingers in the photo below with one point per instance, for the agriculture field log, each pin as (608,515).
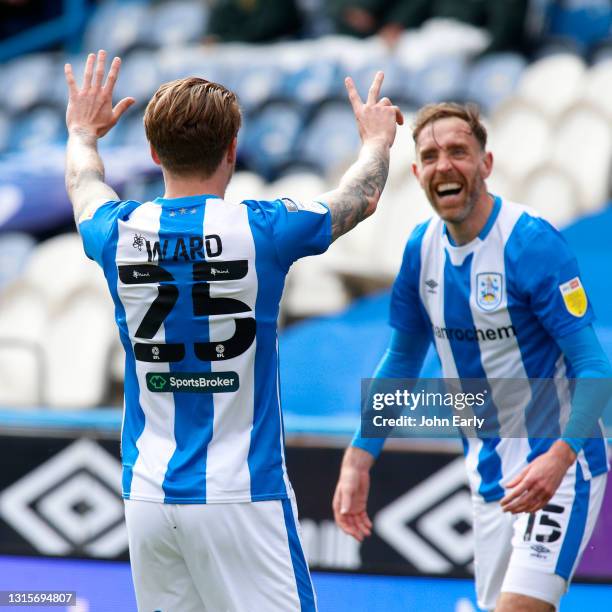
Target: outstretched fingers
(89,67)
(113,73)
(70,80)
(100,66)
(121,107)
(353,95)
(374,91)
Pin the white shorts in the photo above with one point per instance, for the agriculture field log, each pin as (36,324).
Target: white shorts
(231,557)
(535,554)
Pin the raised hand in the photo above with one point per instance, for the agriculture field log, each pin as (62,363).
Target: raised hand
(377,120)
(90,109)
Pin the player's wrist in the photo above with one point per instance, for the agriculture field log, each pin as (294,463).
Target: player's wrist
(564,452)
(358,459)
(83,132)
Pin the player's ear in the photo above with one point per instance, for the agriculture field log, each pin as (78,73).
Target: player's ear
(486,167)
(415,172)
(231,151)
(154,155)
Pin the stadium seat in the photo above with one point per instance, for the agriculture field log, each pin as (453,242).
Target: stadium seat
(27,81)
(582,145)
(23,317)
(245,185)
(78,344)
(300,186)
(442,79)
(331,138)
(178,23)
(58,268)
(144,188)
(139,77)
(553,83)
(313,83)
(598,86)
(313,289)
(551,192)
(33,129)
(493,79)
(270,138)
(520,136)
(402,154)
(15,249)
(5,131)
(255,84)
(396,86)
(117,26)
(437,39)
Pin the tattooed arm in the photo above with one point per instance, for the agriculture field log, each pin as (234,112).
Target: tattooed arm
(89,116)
(361,187)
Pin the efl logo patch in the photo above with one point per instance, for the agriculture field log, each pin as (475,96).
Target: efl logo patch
(295,206)
(489,290)
(574,297)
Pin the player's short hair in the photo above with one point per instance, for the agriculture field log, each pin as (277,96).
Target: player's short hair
(191,122)
(469,113)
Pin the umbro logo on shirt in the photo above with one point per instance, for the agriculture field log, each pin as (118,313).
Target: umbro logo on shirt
(432,285)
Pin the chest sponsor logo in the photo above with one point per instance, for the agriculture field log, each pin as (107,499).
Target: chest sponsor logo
(574,297)
(489,290)
(192,382)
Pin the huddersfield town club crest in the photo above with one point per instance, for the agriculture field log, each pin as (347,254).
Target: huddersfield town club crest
(489,290)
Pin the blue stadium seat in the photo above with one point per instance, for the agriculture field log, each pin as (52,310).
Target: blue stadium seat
(28,81)
(313,83)
(178,23)
(331,137)
(255,84)
(117,26)
(15,248)
(270,138)
(5,131)
(139,77)
(41,126)
(440,80)
(494,78)
(396,85)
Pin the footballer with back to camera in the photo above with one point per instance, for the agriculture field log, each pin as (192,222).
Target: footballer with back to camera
(196,283)
(484,263)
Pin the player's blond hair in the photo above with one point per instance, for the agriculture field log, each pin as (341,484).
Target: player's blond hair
(191,122)
(469,113)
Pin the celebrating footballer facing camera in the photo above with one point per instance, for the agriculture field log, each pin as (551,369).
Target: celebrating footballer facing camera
(485,265)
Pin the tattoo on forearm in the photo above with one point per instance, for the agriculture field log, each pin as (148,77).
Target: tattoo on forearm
(359,191)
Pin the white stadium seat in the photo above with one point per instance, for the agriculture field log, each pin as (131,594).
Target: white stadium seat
(552,192)
(313,289)
(582,145)
(245,185)
(520,137)
(598,86)
(553,83)
(23,319)
(78,347)
(58,267)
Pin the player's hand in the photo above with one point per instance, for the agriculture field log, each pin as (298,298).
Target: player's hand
(377,120)
(538,482)
(90,109)
(351,496)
